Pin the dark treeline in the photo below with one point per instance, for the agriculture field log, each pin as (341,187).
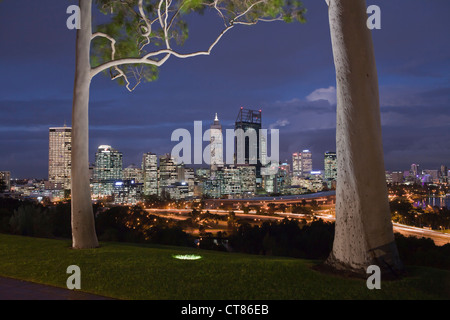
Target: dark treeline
(435,218)
(119,223)
(285,238)
(133,224)
(32,219)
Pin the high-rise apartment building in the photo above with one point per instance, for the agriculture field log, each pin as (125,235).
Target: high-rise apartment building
(216,145)
(150,173)
(59,157)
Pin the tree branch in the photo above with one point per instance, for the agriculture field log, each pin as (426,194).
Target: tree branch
(163,13)
(146,59)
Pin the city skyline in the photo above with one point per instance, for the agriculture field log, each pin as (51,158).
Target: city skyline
(312,159)
(295,88)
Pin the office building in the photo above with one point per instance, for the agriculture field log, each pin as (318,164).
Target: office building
(296,164)
(306,162)
(247,176)
(133,173)
(59,157)
(168,173)
(330,166)
(216,145)
(247,141)
(127,192)
(150,173)
(301,163)
(107,170)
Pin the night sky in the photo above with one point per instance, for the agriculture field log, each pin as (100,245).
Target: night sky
(284,69)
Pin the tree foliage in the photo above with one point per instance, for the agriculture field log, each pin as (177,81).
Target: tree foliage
(139,35)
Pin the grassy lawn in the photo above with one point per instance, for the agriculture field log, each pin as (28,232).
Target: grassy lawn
(129,271)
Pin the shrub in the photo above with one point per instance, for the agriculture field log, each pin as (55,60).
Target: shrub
(29,220)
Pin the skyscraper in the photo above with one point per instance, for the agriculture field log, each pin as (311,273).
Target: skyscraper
(301,163)
(330,166)
(247,147)
(248,180)
(296,164)
(107,171)
(59,156)
(306,162)
(150,173)
(216,145)
(168,173)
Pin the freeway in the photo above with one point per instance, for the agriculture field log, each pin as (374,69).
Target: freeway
(181,214)
(439,238)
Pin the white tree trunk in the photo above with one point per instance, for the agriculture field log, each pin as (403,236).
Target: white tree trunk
(83,225)
(364,233)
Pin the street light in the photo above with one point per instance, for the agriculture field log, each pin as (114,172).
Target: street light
(186,256)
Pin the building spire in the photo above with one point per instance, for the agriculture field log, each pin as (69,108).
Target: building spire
(216,118)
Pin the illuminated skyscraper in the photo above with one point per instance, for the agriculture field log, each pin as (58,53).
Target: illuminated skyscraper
(306,162)
(248,143)
(330,166)
(168,173)
(59,156)
(301,163)
(150,173)
(296,164)
(216,145)
(107,171)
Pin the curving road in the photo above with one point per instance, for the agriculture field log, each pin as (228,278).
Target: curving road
(439,238)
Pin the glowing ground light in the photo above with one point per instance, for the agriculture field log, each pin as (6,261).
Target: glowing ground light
(186,256)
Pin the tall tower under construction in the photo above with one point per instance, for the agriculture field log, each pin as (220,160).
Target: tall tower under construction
(247,139)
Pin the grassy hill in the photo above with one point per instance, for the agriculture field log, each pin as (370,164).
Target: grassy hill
(130,271)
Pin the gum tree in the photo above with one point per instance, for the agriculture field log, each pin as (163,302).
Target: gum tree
(139,37)
(364,234)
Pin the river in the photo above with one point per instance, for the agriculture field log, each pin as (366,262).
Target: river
(440,202)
